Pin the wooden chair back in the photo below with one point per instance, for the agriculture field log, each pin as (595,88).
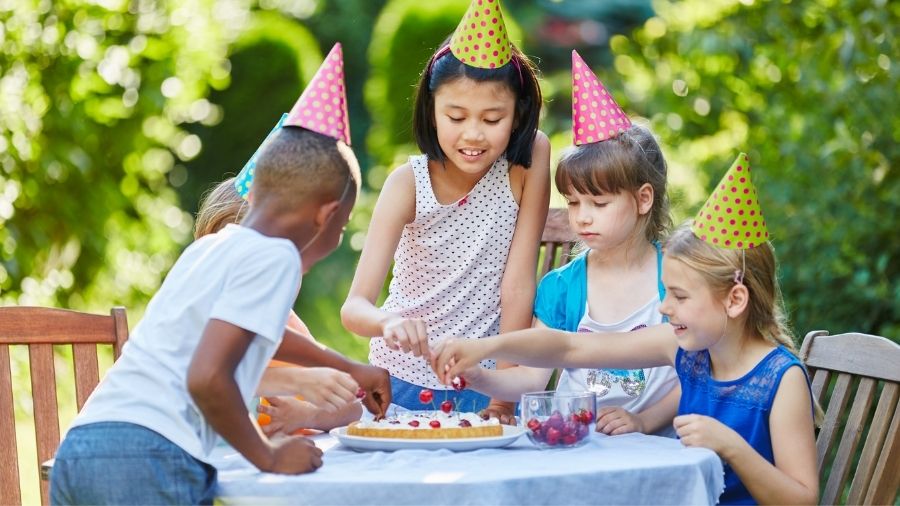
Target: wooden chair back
(40,328)
(557,241)
(864,371)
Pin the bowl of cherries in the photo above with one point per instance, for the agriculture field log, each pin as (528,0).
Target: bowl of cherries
(558,419)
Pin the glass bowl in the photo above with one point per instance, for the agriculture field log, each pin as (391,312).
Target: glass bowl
(558,419)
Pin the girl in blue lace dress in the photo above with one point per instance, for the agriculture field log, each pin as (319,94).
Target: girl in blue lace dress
(745,395)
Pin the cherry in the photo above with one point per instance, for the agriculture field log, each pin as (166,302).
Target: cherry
(465,423)
(556,420)
(534,424)
(553,436)
(447,407)
(569,439)
(586,416)
(413,423)
(435,424)
(361,393)
(426,396)
(459,383)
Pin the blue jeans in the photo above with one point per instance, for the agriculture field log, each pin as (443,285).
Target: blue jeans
(406,394)
(124,463)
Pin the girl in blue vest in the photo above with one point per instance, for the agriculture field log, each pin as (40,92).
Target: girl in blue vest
(614,182)
(744,393)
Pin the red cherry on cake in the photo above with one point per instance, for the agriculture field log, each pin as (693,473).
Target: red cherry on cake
(426,396)
(459,383)
(435,424)
(447,407)
(465,423)
(413,423)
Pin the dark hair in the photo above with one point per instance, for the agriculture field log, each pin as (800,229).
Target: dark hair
(297,163)
(625,162)
(519,74)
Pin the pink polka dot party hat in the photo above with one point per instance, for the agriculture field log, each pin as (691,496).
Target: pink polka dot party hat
(323,105)
(731,217)
(322,108)
(595,115)
(481,40)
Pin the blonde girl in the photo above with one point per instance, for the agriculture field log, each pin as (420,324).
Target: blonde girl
(745,395)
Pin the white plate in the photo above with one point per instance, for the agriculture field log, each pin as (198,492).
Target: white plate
(510,434)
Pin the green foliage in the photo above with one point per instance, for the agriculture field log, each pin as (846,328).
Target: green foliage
(803,88)
(94,96)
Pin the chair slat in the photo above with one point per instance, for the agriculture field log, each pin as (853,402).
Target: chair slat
(886,479)
(881,421)
(861,354)
(853,429)
(87,371)
(819,383)
(46,413)
(55,326)
(9,462)
(830,427)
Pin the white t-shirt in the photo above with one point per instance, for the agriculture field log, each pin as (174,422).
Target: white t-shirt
(236,275)
(635,389)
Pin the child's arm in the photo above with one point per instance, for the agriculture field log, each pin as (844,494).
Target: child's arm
(289,414)
(324,387)
(211,383)
(794,477)
(614,420)
(396,206)
(297,349)
(648,347)
(518,284)
(507,384)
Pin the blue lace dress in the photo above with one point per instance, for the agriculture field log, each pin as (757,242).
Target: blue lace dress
(743,404)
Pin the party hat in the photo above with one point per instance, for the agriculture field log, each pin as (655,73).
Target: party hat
(732,217)
(323,105)
(245,178)
(481,40)
(595,115)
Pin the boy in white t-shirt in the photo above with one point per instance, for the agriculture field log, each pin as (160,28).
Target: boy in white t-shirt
(193,363)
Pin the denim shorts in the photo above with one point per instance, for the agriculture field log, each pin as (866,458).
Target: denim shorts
(124,463)
(406,395)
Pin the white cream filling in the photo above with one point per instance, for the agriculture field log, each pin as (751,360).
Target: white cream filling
(401,421)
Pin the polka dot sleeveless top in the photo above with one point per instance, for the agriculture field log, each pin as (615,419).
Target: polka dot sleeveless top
(448,267)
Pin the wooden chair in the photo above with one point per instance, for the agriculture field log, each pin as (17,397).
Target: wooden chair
(40,328)
(557,241)
(856,366)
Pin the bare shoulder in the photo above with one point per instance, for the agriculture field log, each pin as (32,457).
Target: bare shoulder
(535,179)
(398,195)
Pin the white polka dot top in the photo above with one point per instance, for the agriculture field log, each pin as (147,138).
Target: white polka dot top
(448,267)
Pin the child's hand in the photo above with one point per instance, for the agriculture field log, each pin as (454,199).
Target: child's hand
(286,414)
(615,420)
(327,388)
(377,384)
(500,411)
(294,455)
(453,357)
(706,432)
(406,335)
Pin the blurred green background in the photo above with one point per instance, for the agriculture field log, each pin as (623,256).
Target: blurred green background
(117,115)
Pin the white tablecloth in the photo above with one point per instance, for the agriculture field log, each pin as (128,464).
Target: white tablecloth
(627,469)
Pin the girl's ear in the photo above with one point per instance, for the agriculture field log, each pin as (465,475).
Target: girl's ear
(737,300)
(644,198)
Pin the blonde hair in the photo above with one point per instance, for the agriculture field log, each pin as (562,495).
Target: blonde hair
(720,267)
(220,206)
(765,311)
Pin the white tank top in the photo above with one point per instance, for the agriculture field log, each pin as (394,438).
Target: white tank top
(448,267)
(633,389)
